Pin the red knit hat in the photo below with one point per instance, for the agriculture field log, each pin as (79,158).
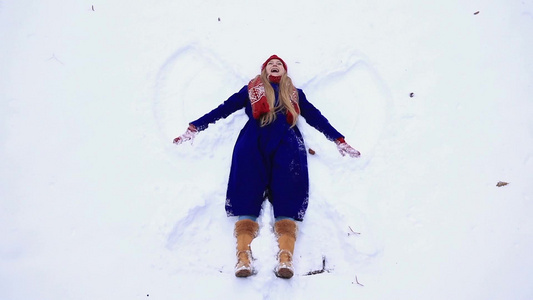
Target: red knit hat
(271,58)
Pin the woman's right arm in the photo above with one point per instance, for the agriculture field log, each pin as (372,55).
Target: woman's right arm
(234,103)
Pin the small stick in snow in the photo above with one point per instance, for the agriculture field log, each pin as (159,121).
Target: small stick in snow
(477,12)
(319,271)
(53,57)
(352,232)
(92,7)
(501,183)
(357,281)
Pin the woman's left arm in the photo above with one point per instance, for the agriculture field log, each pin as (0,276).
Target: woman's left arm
(314,117)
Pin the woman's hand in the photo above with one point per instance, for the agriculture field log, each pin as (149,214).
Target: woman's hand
(189,135)
(344,148)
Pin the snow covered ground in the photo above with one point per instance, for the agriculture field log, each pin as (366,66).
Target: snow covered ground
(97,203)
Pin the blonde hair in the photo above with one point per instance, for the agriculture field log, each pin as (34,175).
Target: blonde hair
(286,89)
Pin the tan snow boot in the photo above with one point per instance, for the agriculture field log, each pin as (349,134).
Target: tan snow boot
(245,231)
(286,233)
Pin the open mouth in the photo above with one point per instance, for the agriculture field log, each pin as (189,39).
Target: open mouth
(274,70)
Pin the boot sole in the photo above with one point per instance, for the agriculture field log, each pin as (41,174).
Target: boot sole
(243,273)
(285,273)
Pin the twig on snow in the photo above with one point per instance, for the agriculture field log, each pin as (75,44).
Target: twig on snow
(319,271)
(501,183)
(357,281)
(352,232)
(53,57)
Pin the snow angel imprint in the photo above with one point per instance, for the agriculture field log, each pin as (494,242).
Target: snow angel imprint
(269,159)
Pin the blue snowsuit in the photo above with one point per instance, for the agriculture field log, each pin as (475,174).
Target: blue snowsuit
(269,160)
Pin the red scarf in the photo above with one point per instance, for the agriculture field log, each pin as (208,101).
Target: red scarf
(258,99)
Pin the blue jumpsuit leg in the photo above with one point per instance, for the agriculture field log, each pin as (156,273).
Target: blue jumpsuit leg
(248,180)
(289,182)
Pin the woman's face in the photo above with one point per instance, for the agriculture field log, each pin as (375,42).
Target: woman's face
(275,68)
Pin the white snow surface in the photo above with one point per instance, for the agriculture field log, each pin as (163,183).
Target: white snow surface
(97,203)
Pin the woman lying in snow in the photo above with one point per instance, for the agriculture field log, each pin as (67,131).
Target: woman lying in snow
(269,160)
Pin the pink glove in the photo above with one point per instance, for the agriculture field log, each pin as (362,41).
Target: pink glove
(344,148)
(189,135)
